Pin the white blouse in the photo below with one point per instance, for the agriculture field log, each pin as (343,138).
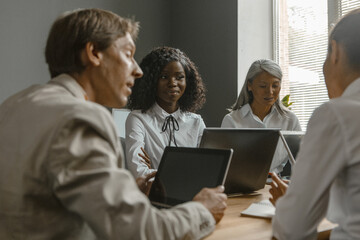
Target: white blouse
(245,118)
(146,130)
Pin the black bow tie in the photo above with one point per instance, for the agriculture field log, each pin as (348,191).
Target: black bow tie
(171,123)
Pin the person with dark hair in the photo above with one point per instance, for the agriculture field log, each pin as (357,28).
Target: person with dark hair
(258,106)
(163,101)
(60,157)
(326,178)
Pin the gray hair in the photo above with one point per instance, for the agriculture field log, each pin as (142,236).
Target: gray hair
(256,68)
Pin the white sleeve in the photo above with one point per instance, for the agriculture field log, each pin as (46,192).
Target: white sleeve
(134,140)
(297,126)
(201,131)
(319,161)
(85,178)
(228,122)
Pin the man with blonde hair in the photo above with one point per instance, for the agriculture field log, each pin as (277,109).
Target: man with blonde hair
(60,157)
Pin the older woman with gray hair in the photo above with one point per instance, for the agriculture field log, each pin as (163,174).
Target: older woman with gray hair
(258,106)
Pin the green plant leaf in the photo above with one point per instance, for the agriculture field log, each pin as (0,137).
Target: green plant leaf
(286,101)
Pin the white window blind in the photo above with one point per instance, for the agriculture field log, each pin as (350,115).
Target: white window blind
(301,38)
(345,6)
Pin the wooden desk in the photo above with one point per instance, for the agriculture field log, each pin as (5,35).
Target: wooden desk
(232,226)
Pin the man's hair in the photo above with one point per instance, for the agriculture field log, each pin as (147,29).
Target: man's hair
(347,33)
(145,88)
(256,68)
(72,30)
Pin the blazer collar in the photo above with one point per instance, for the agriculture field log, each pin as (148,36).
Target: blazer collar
(70,84)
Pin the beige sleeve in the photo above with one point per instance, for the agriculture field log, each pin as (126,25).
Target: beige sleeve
(86,180)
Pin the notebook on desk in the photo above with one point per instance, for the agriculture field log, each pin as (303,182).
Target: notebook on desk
(183,172)
(262,209)
(253,153)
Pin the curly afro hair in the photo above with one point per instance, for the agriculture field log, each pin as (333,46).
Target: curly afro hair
(144,90)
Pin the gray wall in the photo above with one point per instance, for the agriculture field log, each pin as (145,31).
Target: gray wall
(205,29)
(24,26)
(207,32)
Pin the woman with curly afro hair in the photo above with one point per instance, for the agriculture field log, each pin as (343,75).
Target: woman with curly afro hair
(163,104)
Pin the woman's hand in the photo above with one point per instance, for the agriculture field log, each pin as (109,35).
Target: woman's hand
(144,184)
(278,188)
(145,158)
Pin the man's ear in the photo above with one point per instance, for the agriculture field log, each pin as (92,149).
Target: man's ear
(334,54)
(90,55)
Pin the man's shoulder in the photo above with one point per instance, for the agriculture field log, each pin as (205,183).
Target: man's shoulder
(56,104)
(62,101)
(74,112)
(342,105)
(343,110)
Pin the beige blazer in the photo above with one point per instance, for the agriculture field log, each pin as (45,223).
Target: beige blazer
(61,175)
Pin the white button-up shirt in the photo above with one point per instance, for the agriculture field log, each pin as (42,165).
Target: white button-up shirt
(327,172)
(245,118)
(145,130)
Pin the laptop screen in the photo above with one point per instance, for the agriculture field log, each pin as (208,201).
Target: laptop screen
(293,140)
(183,172)
(253,153)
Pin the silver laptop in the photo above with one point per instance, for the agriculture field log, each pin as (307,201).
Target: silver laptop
(291,141)
(183,172)
(253,153)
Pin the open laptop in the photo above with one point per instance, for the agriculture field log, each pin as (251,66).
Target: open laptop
(291,141)
(253,153)
(183,172)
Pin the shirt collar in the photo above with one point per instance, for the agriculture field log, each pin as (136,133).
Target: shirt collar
(274,109)
(163,114)
(70,84)
(353,88)
(246,109)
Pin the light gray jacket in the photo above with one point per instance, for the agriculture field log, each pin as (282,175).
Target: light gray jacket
(60,175)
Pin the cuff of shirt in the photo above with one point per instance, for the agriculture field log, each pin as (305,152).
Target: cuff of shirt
(203,222)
